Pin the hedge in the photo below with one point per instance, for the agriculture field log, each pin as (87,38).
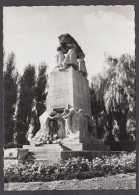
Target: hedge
(73,168)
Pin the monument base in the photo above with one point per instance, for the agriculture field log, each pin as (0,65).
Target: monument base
(75,145)
(46,153)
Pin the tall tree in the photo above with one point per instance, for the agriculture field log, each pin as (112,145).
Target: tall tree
(10,97)
(40,89)
(115,91)
(25,104)
(40,95)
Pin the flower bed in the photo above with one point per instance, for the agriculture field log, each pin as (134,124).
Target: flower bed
(74,168)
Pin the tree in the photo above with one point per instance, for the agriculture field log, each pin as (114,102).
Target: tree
(25,103)
(10,97)
(40,89)
(40,95)
(114,89)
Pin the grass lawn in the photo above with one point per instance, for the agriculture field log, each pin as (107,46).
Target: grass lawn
(120,181)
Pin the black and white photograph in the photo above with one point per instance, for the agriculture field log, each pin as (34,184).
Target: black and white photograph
(69,97)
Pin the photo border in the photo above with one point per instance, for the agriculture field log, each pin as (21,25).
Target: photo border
(10,3)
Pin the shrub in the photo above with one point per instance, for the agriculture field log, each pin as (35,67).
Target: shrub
(73,168)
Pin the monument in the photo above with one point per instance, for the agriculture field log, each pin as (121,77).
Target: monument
(68,84)
(67,127)
(67,123)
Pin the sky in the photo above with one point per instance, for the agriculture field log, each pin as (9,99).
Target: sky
(32,33)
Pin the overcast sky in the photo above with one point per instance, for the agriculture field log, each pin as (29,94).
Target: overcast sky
(32,32)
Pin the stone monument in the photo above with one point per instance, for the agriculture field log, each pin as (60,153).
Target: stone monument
(69,95)
(67,122)
(67,127)
(69,86)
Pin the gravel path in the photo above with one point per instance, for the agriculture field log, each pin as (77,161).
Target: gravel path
(121,181)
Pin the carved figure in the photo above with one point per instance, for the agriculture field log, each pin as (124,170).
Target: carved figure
(61,126)
(65,39)
(44,132)
(67,122)
(82,123)
(60,57)
(71,120)
(71,57)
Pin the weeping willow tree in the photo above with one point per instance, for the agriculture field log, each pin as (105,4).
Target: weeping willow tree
(114,92)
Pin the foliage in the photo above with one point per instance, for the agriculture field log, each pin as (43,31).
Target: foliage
(10,78)
(40,89)
(73,168)
(25,104)
(113,91)
(24,100)
(41,84)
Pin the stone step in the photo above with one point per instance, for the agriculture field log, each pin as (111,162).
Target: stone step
(43,152)
(82,146)
(70,141)
(73,146)
(44,149)
(44,156)
(33,143)
(30,157)
(42,146)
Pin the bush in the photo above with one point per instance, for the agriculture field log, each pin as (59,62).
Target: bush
(74,168)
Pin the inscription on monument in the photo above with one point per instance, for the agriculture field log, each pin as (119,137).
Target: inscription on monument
(59,93)
(58,106)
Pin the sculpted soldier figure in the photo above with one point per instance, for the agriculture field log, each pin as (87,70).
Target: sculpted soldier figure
(60,57)
(71,57)
(71,122)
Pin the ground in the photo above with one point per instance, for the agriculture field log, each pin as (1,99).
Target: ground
(121,181)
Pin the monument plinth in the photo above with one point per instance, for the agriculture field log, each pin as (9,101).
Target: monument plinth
(68,89)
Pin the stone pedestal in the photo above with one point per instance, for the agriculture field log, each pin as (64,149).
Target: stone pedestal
(68,88)
(75,145)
